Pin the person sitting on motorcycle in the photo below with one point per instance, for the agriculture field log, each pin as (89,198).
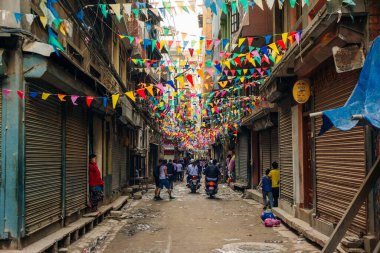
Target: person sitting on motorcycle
(192,170)
(212,172)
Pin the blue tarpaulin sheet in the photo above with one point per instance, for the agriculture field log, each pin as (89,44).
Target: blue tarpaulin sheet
(364,100)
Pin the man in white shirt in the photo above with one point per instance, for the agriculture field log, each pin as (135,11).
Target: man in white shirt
(192,170)
(179,171)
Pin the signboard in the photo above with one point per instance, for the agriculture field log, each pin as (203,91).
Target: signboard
(348,58)
(301,91)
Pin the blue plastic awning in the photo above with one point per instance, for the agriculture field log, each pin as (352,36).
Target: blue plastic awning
(364,100)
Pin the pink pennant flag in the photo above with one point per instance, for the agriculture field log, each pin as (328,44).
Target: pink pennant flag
(137,41)
(221,54)
(6,92)
(297,36)
(217,43)
(226,72)
(209,70)
(74,99)
(223,93)
(161,87)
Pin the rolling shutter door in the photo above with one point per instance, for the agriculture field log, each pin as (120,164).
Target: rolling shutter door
(264,151)
(243,157)
(76,160)
(286,153)
(1,132)
(340,156)
(123,156)
(274,145)
(116,159)
(43,162)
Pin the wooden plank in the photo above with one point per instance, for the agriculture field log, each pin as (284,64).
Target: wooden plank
(353,208)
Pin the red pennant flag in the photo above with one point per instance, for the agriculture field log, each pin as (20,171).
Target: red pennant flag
(238,62)
(281,44)
(89,100)
(191,50)
(170,42)
(141,92)
(190,79)
(250,39)
(208,43)
(232,72)
(20,93)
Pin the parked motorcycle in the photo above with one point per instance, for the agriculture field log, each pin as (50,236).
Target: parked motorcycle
(194,184)
(211,187)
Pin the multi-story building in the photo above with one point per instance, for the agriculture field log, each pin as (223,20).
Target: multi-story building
(57,109)
(320,175)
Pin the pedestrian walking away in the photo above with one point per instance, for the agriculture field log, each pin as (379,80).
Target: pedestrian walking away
(156,175)
(164,178)
(274,175)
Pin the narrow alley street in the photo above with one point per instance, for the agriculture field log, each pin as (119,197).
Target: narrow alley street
(191,223)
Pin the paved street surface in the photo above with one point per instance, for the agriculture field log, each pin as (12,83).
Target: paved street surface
(192,223)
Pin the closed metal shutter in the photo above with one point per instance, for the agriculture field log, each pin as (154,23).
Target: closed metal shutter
(43,162)
(265,160)
(286,153)
(1,131)
(340,156)
(76,159)
(116,159)
(243,157)
(274,145)
(123,156)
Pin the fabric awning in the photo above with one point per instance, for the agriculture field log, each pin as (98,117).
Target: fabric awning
(364,100)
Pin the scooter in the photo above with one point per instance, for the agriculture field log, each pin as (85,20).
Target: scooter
(194,184)
(211,187)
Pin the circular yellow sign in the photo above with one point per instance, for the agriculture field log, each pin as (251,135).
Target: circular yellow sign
(301,91)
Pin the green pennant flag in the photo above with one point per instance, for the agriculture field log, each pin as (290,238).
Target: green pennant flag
(307,2)
(167,5)
(233,6)
(251,49)
(136,12)
(55,43)
(154,42)
(185,9)
(244,3)
(57,22)
(292,3)
(209,64)
(103,8)
(130,39)
(272,59)
(224,7)
(166,31)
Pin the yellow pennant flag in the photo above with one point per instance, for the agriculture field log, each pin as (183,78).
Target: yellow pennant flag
(198,52)
(201,73)
(43,21)
(228,64)
(115,98)
(274,47)
(181,79)
(130,95)
(242,79)
(45,95)
(241,41)
(134,61)
(206,84)
(150,90)
(284,37)
(278,58)
(179,50)
(245,71)
(162,44)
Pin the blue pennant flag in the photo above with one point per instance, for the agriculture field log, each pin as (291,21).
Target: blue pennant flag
(171,83)
(80,15)
(33,94)
(268,38)
(18,17)
(105,100)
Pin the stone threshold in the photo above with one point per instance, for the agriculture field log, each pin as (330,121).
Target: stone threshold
(72,232)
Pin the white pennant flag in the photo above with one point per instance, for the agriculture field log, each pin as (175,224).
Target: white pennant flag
(260,4)
(116,9)
(270,4)
(29,18)
(127,9)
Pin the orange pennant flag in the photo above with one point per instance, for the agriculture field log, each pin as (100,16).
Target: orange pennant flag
(150,90)
(61,97)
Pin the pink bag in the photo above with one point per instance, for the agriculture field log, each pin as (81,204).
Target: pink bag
(268,223)
(276,223)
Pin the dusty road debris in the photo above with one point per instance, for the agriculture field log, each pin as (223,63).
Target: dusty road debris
(192,223)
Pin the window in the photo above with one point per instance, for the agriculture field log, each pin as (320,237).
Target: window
(235,22)
(200,21)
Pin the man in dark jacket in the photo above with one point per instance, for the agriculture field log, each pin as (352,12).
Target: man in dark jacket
(212,172)
(156,175)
